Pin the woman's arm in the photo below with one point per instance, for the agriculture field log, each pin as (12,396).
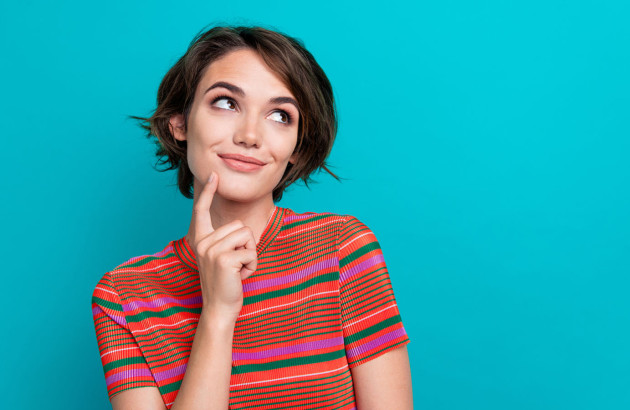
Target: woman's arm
(206,383)
(141,398)
(384,382)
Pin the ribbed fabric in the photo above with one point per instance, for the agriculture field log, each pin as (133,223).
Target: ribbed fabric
(320,303)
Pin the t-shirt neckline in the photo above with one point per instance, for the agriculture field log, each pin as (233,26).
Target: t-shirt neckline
(186,255)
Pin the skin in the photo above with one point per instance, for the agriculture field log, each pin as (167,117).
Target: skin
(251,126)
(229,216)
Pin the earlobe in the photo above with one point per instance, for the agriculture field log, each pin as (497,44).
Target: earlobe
(293,158)
(176,126)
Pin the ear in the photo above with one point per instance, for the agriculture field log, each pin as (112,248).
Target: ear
(293,158)
(176,125)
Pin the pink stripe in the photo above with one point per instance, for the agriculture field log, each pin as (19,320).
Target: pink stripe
(297,217)
(170,373)
(127,374)
(284,280)
(157,303)
(118,319)
(378,342)
(374,260)
(302,347)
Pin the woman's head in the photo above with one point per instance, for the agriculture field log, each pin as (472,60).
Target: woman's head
(266,63)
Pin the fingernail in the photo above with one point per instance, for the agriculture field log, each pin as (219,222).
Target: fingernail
(211,177)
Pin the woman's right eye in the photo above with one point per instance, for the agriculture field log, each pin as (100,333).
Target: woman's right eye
(226,103)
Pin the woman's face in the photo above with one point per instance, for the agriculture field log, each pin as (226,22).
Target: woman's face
(240,107)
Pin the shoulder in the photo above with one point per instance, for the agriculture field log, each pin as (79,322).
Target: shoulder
(308,217)
(134,270)
(345,228)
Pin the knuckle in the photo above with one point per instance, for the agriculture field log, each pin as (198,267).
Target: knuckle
(210,252)
(222,259)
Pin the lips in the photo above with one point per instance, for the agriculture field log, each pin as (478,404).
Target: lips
(243,158)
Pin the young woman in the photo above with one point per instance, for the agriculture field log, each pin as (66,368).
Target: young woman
(257,306)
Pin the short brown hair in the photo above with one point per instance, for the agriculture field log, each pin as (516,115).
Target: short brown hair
(288,58)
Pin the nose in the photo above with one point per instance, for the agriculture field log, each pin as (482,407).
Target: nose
(248,131)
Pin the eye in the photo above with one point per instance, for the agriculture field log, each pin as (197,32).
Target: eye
(227,105)
(283,117)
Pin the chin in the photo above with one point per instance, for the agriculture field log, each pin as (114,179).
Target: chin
(240,194)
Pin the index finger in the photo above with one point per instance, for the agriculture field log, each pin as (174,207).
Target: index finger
(201,209)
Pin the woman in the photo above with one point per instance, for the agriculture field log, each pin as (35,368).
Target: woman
(256,306)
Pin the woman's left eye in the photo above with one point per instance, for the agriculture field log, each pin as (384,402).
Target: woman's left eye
(283,117)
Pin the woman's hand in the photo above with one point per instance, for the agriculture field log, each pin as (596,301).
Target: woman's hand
(224,256)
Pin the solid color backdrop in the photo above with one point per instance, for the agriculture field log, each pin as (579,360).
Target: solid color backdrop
(485,143)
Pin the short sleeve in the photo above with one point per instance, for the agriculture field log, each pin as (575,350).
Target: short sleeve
(124,364)
(372,325)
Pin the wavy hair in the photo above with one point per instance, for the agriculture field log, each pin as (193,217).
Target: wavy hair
(294,65)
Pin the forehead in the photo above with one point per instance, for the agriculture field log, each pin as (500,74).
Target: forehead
(246,69)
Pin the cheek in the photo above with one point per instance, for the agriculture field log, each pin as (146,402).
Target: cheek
(284,152)
(200,155)
(288,144)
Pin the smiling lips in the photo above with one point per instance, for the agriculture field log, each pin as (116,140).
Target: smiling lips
(241,162)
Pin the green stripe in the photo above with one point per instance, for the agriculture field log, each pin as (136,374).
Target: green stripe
(288,258)
(186,254)
(279,364)
(171,387)
(162,313)
(107,304)
(359,287)
(317,307)
(123,362)
(192,285)
(372,329)
(298,337)
(305,221)
(354,227)
(144,261)
(176,356)
(328,277)
(384,290)
(351,316)
(160,350)
(359,252)
(248,391)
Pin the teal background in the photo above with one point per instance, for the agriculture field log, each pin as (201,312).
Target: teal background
(485,143)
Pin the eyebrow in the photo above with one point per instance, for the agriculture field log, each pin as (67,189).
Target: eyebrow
(239,91)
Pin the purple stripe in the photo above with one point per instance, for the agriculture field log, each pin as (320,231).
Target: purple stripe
(118,319)
(167,374)
(284,280)
(126,374)
(157,303)
(298,217)
(96,310)
(302,347)
(378,342)
(161,253)
(344,276)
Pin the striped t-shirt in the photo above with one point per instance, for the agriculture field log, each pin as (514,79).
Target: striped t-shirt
(320,303)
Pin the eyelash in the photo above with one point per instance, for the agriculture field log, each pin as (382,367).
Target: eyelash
(227,97)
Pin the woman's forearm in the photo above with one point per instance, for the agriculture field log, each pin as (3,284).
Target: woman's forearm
(206,383)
